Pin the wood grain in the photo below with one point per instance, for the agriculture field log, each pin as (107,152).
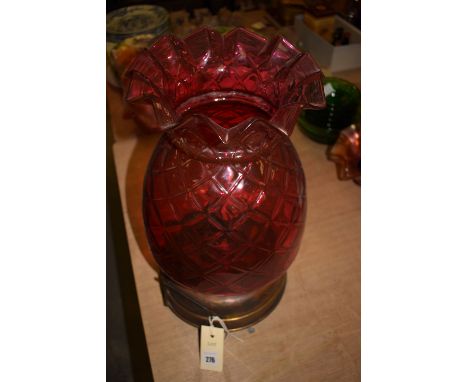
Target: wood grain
(314,333)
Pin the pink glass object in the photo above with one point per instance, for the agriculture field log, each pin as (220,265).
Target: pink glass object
(346,153)
(224,196)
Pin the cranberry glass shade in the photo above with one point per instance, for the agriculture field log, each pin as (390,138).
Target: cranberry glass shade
(224,197)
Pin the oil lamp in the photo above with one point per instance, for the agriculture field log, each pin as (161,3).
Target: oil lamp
(224,196)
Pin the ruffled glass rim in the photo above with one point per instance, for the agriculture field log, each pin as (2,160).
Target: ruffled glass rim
(173,72)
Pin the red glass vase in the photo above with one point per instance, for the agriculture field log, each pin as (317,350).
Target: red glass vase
(224,196)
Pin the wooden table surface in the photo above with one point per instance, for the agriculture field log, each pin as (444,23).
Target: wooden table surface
(314,333)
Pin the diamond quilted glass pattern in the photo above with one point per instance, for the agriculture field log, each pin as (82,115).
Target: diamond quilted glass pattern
(224,198)
(237,225)
(163,78)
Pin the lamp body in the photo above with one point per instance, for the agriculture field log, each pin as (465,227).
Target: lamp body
(224,196)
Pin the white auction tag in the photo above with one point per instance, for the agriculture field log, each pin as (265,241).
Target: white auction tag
(211,348)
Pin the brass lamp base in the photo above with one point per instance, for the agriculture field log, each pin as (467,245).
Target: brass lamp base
(238,312)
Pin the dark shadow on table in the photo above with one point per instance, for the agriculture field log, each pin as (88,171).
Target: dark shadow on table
(127,358)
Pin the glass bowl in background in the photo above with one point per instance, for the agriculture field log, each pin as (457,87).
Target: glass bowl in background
(343,109)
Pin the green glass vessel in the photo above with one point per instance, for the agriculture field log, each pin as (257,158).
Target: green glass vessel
(343,109)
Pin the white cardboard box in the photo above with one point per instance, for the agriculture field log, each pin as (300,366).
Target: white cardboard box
(333,58)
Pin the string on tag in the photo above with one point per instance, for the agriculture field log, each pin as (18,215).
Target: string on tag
(212,319)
